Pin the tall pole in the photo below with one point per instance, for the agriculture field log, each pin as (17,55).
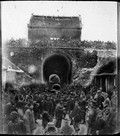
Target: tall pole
(1,120)
(118,69)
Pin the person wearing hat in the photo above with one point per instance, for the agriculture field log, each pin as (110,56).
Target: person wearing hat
(99,99)
(91,114)
(52,105)
(11,123)
(8,108)
(70,105)
(76,117)
(66,128)
(53,78)
(96,95)
(107,102)
(59,115)
(29,114)
(21,111)
(45,119)
(36,110)
(45,104)
(15,125)
(51,129)
(82,104)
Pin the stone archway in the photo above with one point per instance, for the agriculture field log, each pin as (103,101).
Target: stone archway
(58,64)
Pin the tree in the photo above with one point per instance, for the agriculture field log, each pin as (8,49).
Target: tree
(21,42)
(110,45)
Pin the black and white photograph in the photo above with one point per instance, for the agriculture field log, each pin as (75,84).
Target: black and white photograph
(59,68)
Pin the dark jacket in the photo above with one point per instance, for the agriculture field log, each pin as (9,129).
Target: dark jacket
(16,128)
(70,105)
(99,101)
(45,119)
(59,113)
(45,105)
(76,114)
(7,110)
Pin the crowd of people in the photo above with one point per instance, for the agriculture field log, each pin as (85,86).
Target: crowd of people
(90,106)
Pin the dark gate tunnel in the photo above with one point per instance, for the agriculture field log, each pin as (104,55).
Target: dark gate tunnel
(57,64)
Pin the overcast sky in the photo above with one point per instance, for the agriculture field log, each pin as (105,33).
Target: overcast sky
(99,19)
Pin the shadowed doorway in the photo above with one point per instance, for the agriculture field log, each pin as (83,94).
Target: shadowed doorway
(57,64)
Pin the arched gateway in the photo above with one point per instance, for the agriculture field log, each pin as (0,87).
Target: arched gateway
(57,64)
